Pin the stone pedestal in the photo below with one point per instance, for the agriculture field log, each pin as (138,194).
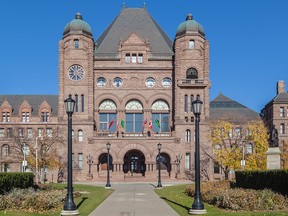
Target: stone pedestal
(273,158)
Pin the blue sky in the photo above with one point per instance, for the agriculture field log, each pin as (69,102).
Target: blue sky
(248,41)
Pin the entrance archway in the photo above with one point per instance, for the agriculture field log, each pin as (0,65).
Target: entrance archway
(165,162)
(134,162)
(102,162)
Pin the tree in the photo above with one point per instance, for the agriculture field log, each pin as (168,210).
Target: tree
(229,141)
(46,146)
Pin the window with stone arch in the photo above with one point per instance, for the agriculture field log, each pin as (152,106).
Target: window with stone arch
(134,116)
(5,150)
(160,116)
(80,135)
(107,116)
(191,73)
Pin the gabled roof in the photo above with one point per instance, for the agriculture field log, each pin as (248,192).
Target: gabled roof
(34,101)
(224,108)
(281,98)
(133,20)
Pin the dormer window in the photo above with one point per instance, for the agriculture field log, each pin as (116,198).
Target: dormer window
(140,58)
(134,58)
(76,43)
(45,116)
(5,116)
(25,117)
(191,44)
(127,58)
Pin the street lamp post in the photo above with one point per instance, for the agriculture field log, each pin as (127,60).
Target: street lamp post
(69,207)
(197,206)
(159,185)
(108,185)
(36,169)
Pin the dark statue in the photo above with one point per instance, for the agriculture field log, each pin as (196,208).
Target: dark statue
(273,139)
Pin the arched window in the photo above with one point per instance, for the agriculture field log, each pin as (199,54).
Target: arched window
(76,43)
(164,162)
(191,73)
(191,44)
(5,150)
(107,116)
(187,136)
(80,135)
(160,116)
(191,101)
(82,103)
(134,116)
(76,103)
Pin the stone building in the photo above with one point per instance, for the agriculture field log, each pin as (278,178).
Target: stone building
(133,88)
(275,113)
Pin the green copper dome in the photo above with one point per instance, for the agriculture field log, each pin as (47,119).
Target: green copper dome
(77,26)
(190,25)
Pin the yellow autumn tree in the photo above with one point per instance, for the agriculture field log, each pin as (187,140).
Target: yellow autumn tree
(47,156)
(230,140)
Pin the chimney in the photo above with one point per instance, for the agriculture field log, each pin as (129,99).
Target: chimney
(280,87)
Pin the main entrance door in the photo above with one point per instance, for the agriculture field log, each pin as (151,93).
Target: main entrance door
(134,162)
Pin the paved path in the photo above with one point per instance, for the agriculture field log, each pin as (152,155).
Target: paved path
(134,199)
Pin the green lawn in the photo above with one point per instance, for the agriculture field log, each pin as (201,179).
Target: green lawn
(91,198)
(181,203)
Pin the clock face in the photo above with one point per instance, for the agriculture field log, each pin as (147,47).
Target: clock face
(76,72)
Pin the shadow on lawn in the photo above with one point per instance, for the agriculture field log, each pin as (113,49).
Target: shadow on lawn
(182,206)
(80,203)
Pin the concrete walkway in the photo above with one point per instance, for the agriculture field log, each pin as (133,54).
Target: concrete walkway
(134,199)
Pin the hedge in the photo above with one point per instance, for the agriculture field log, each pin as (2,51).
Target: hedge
(276,180)
(12,180)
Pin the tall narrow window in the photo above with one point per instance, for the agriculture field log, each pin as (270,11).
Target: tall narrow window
(76,103)
(80,160)
(10,132)
(21,132)
(191,44)
(187,161)
(40,132)
(282,128)
(76,43)
(73,134)
(127,58)
(134,58)
(82,103)
(49,132)
(30,132)
(140,58)
(2,132)
(282,112)
(5,150)
(187,136)
(216,168)
(80,135)
(249,148)
(191,101)
(185,103)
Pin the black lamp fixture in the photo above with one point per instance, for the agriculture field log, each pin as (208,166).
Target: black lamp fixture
(69,207)
(108,185)
(197,206)
(159,185)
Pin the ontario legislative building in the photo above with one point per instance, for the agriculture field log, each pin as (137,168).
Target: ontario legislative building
(133,88)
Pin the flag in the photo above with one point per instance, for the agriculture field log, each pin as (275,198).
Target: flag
(145,122)
(157,123)
(111,123)
(150,124)
(122,123)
